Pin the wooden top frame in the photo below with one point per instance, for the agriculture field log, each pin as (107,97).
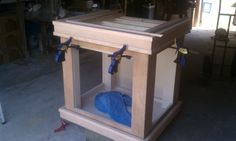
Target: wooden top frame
(112,29)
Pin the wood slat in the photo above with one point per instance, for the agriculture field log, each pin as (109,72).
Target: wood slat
(136,23)
(96,126)
(164,27)
(114,28)
(71,78)
(94,15)
(143,93)
(123,26)
(143,20)
(103,18)
(104,37)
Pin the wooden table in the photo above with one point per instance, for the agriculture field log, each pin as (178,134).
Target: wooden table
(151,77)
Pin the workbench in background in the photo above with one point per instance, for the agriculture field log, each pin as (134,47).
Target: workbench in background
(12,32)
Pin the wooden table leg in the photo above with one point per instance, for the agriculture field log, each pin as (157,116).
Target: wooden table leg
(144,68)
(71,78)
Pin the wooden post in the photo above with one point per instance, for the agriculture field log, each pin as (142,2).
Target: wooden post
(71,78)
(143,93)
(107,79)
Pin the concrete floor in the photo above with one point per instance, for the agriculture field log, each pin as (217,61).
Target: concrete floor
(31,91)
(208,112)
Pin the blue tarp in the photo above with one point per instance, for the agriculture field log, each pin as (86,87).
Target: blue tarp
(115,104)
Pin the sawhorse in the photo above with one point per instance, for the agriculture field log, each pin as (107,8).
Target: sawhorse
(1,115)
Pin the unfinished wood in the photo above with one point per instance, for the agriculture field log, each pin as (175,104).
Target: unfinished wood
(95,15)
(90,111)
(163,26)
(142,20)
(159,127)
(136,23)
(143,93)
(107,78)
(124,26)
(111,34)
(125,74)
(102,36)
(174,25)
(113,28)
(116,134)
(96,126)
(99,48)
(71,78)
(99,19)
(170,34)
(138,77)
(165,76)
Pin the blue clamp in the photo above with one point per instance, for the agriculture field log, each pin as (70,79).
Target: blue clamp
(61,49)
(182,53)
(116,58)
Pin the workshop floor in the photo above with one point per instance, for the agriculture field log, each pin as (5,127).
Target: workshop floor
(31,91)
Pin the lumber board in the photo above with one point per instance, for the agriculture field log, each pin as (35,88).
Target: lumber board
(178,30)
(99,19)
(114,29)
(143,93)
(136,23)
(163,26)
(99,48)
(104,37)
(94,15)
(143,20)
(123,26)
(71,78)
(102,120)
(174,25)
(116,134)
(110,27)
(107,79)
(96,126)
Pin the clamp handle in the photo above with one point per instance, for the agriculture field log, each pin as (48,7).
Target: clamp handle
(116,58)
(62,48)
(182,53)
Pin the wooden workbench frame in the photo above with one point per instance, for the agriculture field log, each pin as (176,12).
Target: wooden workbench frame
(141,110)
(144,48)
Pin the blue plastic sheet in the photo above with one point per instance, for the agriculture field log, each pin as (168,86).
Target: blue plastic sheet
(115,104)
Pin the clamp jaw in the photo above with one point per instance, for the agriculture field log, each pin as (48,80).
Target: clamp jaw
(116,58)
(62,48)
(182,53)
